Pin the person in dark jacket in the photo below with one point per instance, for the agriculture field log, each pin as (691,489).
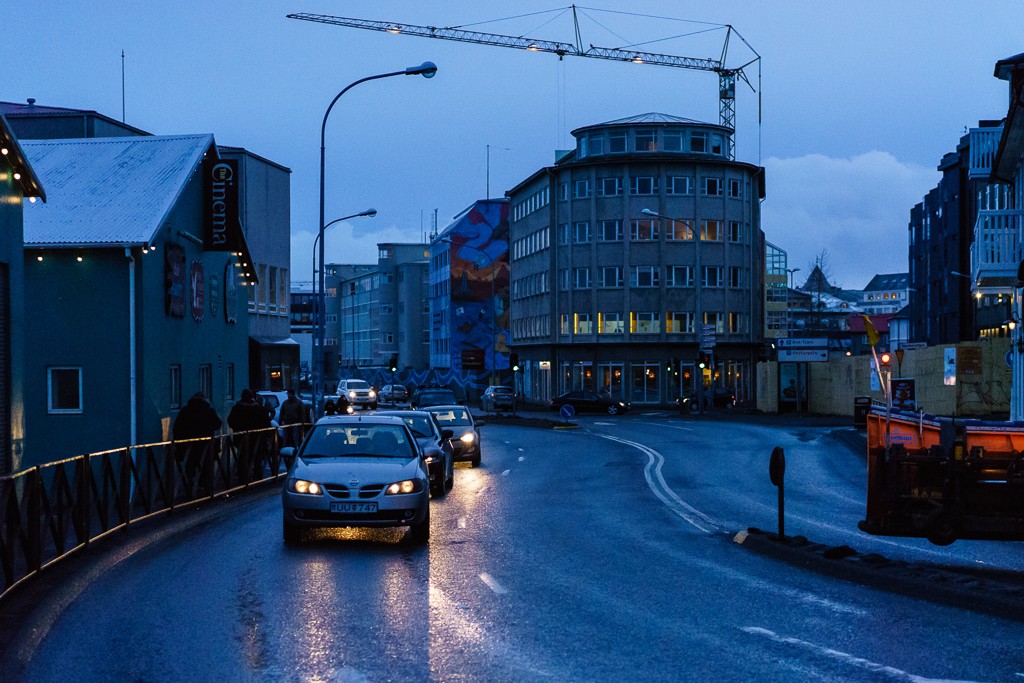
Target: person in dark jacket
(248,415)
(293,414)
(196,420)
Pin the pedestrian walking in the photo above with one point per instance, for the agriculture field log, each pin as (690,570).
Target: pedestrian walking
(330,408)
(196,420)
(293,414)
(246,416)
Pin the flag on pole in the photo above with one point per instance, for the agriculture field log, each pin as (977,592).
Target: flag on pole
(871,331)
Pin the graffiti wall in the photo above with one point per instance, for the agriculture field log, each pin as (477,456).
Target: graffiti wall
(480,288)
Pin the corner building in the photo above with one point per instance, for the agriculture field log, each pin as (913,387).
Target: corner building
(629,254)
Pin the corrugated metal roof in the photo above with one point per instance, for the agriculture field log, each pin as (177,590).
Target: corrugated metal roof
(115,191)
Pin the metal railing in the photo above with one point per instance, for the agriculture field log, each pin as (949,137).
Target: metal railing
(983,142)
(996,250)
(51,511)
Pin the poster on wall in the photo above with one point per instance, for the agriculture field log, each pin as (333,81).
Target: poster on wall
(949,367)
(230,294)
(197,283)
(174,280)
(904,393)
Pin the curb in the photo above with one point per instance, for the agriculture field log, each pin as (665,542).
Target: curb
(991,592)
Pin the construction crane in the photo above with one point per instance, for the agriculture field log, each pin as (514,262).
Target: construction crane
(726,75)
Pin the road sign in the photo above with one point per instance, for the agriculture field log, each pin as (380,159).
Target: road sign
(802,343)
(567,411)
(803,355)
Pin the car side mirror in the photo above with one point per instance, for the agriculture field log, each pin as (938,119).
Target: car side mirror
(447,433)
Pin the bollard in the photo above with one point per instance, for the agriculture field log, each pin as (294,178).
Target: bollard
(777,473)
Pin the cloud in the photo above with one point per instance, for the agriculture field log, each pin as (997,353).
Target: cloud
(857,210)
(346,242)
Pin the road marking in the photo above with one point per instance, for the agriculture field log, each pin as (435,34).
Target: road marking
(605,424)
(520,450)
(834,654)
(521,458)
(657,484)
(505,473)
(650,414)
(661,424)
(462,522)
(482,489)
(493,584)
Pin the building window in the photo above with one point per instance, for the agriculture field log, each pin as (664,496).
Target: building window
(563,191)
(611,231)
(644,322)
(680,185)
(716,144)
(581,189)
(596,144)
(644,229)
(716,320)
(735,276)
(735,188)
(646,140)
(643,185)
(680,322)
(617,142)
(610,323)
(174,384)
(737,323)
(711,230)
(64,390)
(679,230)
(583,323)
(735,231)
(611,187)
(699,143)
(564,323)
(389,339)
(583,146)
(563,233)
(581,278)
(713,187)
(672,140)
(679,276)
(206,379)
(581,231)
(563,277)
(776,321)
(609,276)
(644,276)
(229,382)
(712,276)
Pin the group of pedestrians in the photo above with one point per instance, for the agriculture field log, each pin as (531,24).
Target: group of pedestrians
(197,419)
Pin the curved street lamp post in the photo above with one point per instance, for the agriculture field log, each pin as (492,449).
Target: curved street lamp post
(427,70)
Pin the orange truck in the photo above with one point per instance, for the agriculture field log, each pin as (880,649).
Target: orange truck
(944,478)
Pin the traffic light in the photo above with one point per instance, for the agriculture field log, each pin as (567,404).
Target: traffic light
(393,363)
(513,361)
(704,361)
(885,360)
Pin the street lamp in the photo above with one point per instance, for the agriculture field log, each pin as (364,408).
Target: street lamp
(427,70)
(369,213)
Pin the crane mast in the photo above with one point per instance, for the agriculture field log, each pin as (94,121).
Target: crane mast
(726,76)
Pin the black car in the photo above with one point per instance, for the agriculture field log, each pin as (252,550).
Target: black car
(717,397)
(590,402)
(434,396)
(438,444)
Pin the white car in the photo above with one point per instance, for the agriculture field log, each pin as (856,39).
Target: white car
(357,471)
(358,392)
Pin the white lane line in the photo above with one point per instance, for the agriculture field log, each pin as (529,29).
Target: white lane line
(505,473)
(845,658)
(520,450)
(521,458)
(493,584)
(605,424)
(662,424)
(657,484)
(482,489)
(462,522)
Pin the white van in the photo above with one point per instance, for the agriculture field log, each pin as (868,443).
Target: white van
(358,392)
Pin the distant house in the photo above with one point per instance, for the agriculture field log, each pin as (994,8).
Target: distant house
(18,182)
(134,292)
(886,293)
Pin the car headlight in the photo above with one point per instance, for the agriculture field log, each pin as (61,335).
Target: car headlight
(303,486)
(350,410)
(352,394)
(469,437)
(404,487)
(372,393)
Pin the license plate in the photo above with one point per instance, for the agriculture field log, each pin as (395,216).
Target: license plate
(353,507)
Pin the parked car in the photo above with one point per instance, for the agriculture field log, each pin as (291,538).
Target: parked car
(356,471)
(272,400)
(590,402)
(436,444)
(718,397)
(464,428)
(498,398)
(433,396)
(358,392)
(393,393)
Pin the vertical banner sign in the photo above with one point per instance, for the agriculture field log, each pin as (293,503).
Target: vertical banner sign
(875,384)
(221,206)
(949,367)
(197,281)
(230,294)
(174,280)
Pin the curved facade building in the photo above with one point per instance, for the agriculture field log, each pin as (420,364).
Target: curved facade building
(633,256)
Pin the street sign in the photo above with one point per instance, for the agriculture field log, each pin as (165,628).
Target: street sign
(567,411)
(803,355)
(913,345)
(802,343)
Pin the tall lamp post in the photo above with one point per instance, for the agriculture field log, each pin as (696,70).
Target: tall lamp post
(317,304)
(427,70)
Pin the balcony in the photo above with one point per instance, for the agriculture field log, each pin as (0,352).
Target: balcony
(984,142)
(996,251)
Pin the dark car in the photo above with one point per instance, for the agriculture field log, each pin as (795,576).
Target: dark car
(717,397)
(393,393)
(590,402)
(464,428)
(498,398)
(433,396)
(437,443)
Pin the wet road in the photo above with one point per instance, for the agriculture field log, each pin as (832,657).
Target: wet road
(596,554)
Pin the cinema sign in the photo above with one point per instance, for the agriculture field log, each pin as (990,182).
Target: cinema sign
(220,185)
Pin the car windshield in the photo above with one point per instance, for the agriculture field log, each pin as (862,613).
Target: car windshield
(505,391)
(356,384)
(355,440)
(453,416)
(419,424)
